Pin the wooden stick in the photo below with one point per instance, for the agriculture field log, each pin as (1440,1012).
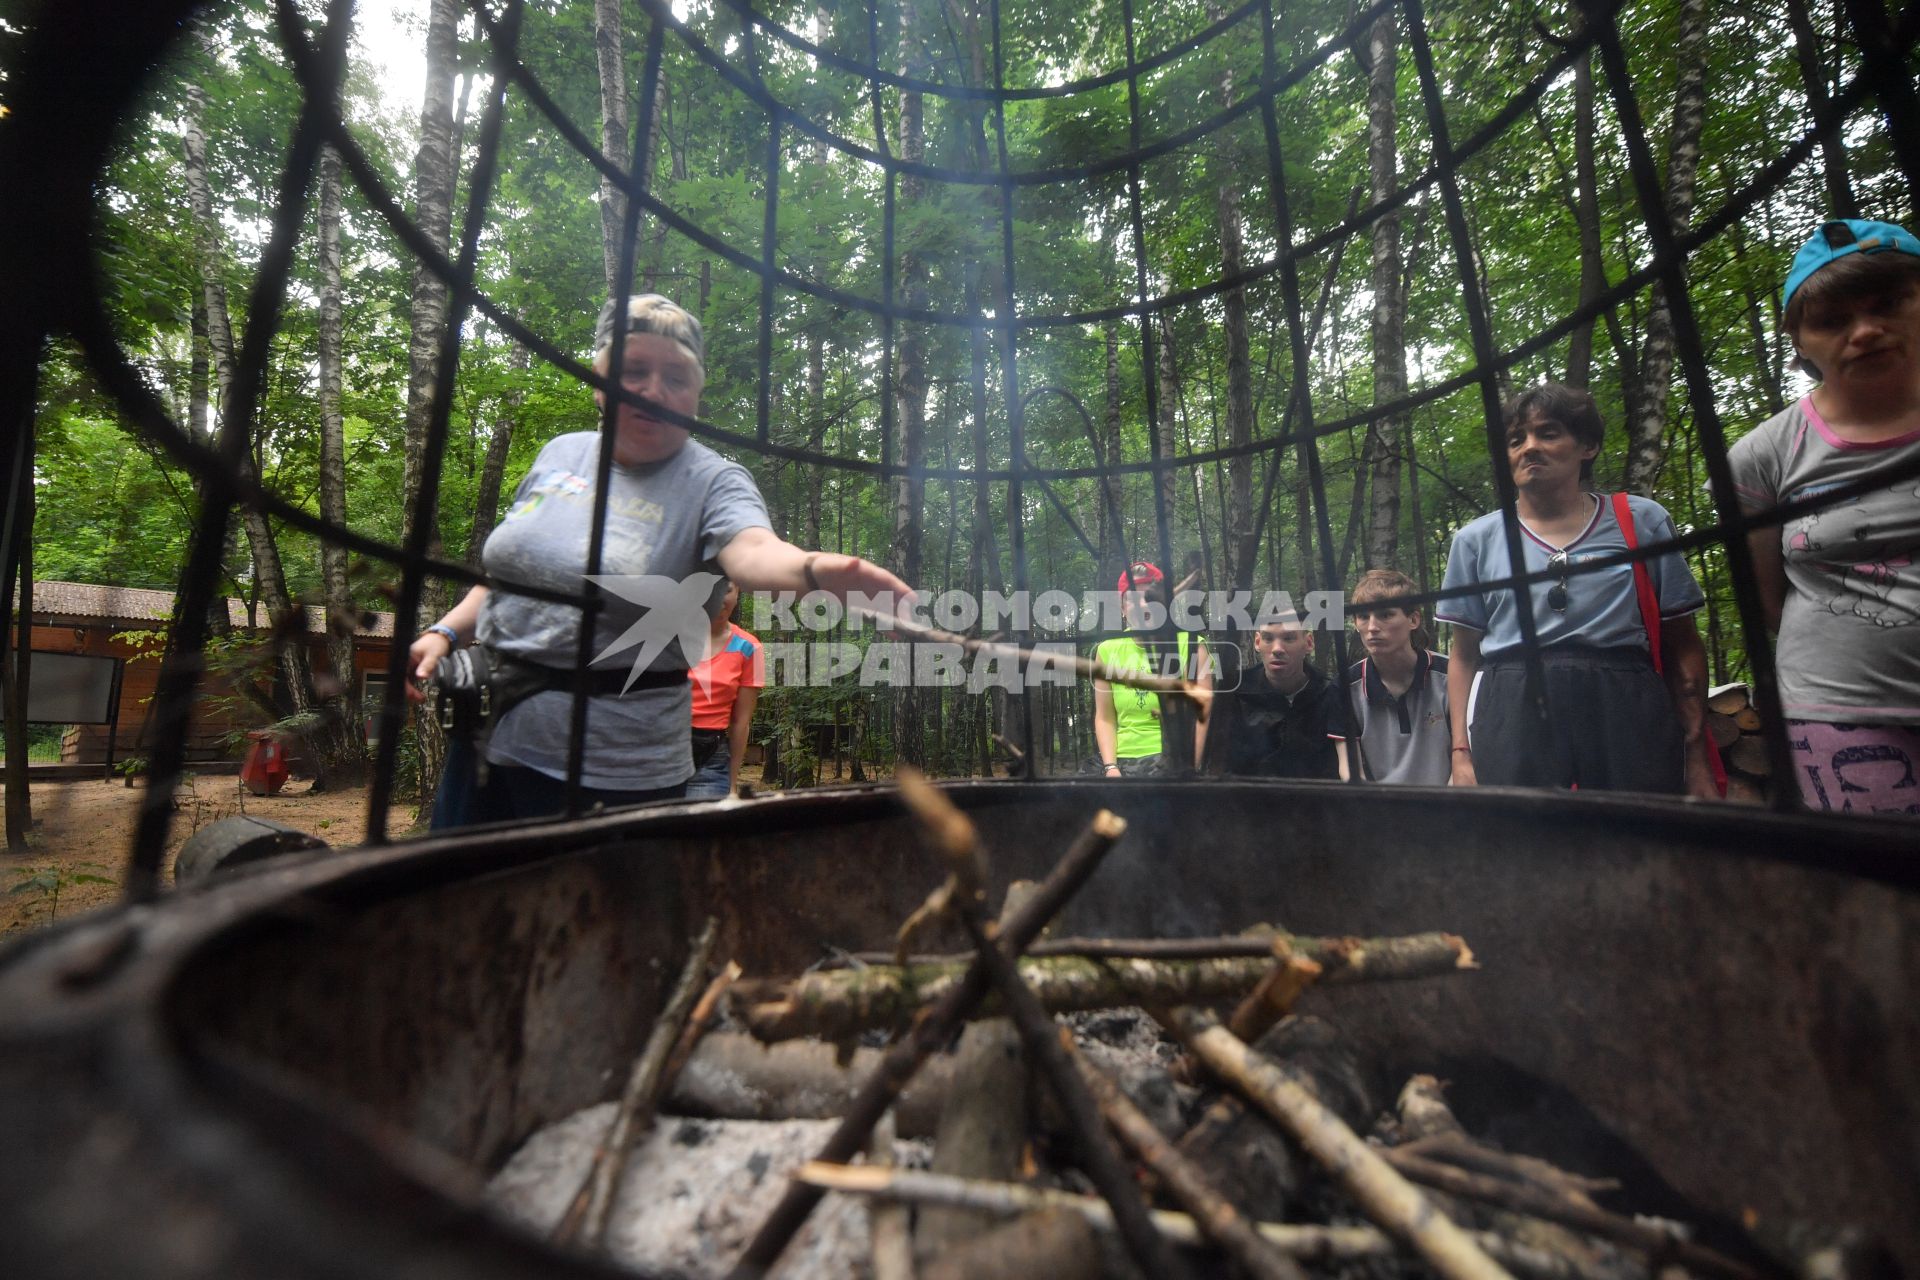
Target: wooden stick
(888,1222)
(1661,1245)
(1386,1197)
(1183,1179)
(932,1030)
(953,842)
(959,842)
(838,1004)
(1085,668)
(983,1122)
(1274,997)
(698,1021)
(1411,956)
(587,1213)
(1305,1243)
(1456,1148)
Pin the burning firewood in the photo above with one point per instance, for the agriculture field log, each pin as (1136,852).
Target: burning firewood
(836,1004)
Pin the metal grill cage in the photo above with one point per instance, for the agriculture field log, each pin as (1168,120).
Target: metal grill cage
(85,59)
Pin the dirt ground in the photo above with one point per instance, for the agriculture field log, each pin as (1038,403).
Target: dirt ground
(83,831)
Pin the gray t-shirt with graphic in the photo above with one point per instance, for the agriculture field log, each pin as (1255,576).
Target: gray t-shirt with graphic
(666,518)
(1849,647)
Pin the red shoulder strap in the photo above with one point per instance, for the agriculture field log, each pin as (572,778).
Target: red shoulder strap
(1650,615)
(1642,580)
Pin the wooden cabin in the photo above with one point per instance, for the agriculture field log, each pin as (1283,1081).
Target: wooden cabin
(128,625)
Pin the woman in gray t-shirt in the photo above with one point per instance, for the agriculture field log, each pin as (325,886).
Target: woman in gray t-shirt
(677,514)
(1842,585)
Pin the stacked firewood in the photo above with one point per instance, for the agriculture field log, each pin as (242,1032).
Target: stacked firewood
(1734,724)
(1095,1107)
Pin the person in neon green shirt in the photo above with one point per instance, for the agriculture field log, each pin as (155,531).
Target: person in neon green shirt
(1126,722)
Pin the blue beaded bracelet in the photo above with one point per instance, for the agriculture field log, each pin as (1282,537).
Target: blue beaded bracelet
(441,628)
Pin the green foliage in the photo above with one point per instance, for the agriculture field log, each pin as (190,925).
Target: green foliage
(115,507)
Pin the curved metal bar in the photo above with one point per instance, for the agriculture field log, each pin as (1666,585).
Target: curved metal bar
(872,73)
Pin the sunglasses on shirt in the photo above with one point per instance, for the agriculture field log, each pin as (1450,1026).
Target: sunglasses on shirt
(1557,593)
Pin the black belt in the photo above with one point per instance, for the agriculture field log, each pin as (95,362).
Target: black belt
(479,685)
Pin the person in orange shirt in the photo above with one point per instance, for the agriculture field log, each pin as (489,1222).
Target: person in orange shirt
(726,688)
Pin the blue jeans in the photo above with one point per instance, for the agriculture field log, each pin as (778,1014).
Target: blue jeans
(714,779)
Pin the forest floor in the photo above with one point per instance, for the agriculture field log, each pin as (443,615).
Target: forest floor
(83,830)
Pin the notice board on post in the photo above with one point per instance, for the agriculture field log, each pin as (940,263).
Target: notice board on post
(70,688)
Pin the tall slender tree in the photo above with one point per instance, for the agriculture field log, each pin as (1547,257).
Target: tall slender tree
(342,742)
(609,51)
(1647,418)
(1383,449)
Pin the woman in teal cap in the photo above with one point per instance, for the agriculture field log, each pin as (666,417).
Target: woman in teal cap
(1842,586)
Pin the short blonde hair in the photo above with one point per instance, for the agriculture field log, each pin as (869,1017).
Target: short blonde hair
(651,313)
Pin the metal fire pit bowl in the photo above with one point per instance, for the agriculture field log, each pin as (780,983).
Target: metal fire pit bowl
(306,1069)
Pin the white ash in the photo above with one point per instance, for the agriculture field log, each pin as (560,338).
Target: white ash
(694,1192)
(1130,1046)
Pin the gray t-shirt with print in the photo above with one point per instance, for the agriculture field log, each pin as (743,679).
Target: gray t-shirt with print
(667,518)
(1849,647)
(1603,609)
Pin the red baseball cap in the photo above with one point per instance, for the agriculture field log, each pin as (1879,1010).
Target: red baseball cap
(1138,576)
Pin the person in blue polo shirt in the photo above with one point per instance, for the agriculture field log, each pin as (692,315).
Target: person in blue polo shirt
(1398,691)
(1612,722)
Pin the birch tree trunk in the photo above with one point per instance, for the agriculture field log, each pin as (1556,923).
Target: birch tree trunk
(1646,425)
(344,744)
(1389,304)
(608,48)
(434,170)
